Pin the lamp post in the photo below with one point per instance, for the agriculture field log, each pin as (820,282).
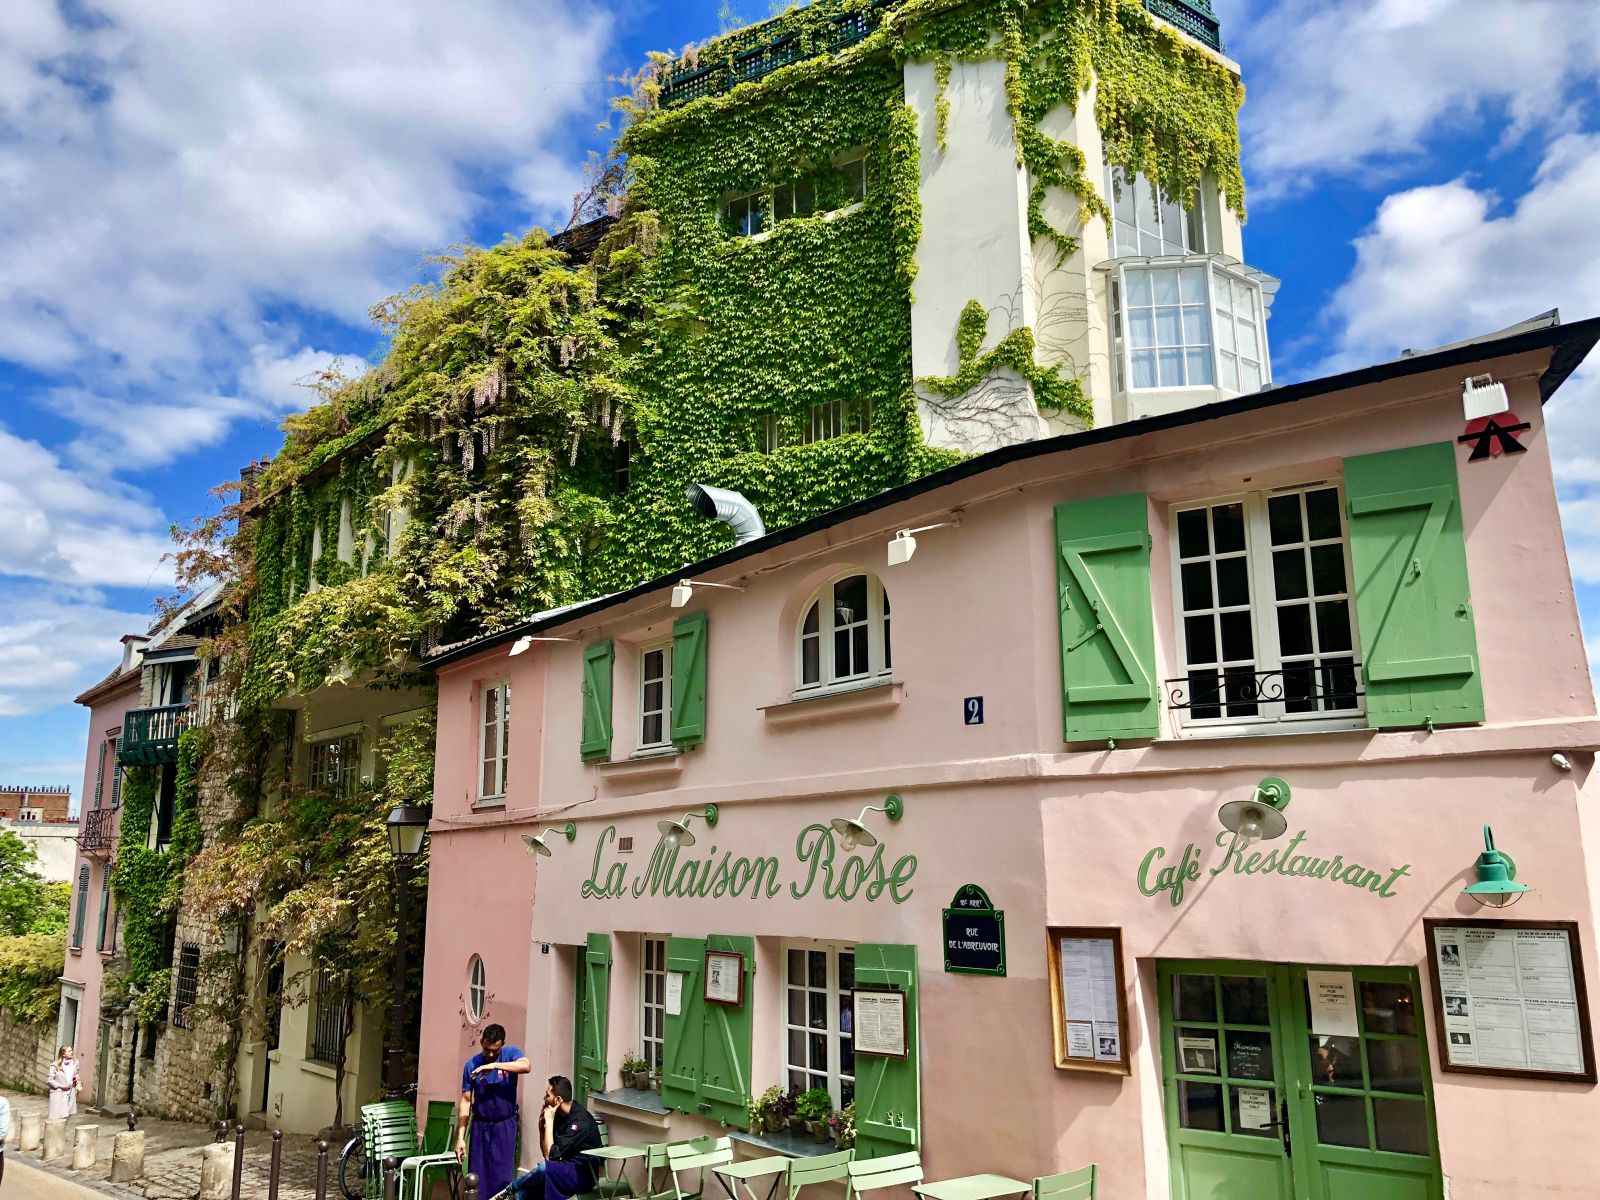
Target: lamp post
(407,825)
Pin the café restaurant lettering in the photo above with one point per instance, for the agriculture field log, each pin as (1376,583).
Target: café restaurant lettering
(674,872)
(1175,877)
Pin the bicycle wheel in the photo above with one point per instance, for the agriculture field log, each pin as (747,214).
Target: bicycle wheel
(353,1169)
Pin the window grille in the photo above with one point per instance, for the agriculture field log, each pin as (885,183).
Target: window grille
(188,984)
(327,1019)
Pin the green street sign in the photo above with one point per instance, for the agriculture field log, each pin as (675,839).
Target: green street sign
(974,934)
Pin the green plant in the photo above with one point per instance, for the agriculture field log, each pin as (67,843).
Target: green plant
(814,1105)
(842,1125)
(30,976)
(632,1063)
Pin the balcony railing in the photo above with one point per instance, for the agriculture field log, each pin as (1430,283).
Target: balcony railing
(150,735)
(1194,18)
(97,832)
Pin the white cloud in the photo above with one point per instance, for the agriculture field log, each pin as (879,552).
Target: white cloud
(54,644)
(1353,87)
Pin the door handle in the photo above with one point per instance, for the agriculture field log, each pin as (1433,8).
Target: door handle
(1283,1127)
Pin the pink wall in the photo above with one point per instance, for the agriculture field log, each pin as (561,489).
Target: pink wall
(1057,836)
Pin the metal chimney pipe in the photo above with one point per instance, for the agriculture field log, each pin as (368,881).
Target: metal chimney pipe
(729,507)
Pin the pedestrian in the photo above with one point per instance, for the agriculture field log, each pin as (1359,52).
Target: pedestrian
(64,1085)
(489,1101)
(5,1132)
(566,1132)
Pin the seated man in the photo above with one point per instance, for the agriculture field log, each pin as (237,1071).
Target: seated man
(566,1130)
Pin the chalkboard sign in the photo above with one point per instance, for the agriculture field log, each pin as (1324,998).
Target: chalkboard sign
(1250,1055)
(974,934)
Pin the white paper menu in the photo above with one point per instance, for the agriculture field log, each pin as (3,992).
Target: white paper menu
(1089,996)
(1509,998)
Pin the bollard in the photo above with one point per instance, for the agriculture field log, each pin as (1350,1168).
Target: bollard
(238,1161)
(216,1170)
(469,1186)
(127,1156)
(391,1174)
(322,1171)
(275,1164)
(55,1138)
(219,1132)
(31,1131)
(85,1147)
(133,1120)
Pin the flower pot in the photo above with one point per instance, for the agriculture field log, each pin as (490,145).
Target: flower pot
(819,1130)
(797,1124)
(641,1080)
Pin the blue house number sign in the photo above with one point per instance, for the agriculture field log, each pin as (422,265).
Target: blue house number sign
(972,710)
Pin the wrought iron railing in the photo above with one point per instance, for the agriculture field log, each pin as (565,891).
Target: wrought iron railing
(97,833)
(150,735)
(1192,16)
(1332,687)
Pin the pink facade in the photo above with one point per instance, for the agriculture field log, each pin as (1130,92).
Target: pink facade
(1058,835)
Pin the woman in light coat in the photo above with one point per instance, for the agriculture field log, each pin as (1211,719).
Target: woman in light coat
(64,1084)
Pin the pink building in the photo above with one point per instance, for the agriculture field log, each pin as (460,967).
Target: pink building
(1127,822)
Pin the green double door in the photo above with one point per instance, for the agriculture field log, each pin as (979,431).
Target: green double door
(1260,1107)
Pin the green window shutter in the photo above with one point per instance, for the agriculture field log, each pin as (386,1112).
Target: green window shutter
(725,1057)
(105,908)
(1419,649)
(594,1013)
(689,680)
(83,904)
(888,1100)
(685,1033)
(597,661)
(1109,687)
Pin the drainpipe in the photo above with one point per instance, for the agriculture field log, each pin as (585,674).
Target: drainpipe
(729,507)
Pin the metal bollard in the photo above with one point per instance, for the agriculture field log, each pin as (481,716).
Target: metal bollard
(219,1132)
(322,1171)
(391,1178)
(133,1121)
(469,1187)
(275,1164)
(238,1161)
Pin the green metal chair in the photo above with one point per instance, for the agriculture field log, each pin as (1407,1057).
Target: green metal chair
(821,1168)
(697,1155)
(1074,1185)
(872,1174)
(434,1156)
(793,1173)
(388,1130)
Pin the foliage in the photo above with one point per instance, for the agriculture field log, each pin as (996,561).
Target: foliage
(29,903)
(814,1105)
(1053,388)
(30,976)
(842,1125)
(631,1062)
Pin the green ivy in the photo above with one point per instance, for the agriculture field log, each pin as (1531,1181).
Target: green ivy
(1053,388)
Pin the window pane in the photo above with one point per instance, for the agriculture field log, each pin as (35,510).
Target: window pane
(1388,1008)
(1198,365)
(1238,642)
(1228,525)
(1233,581)
(1394,1065)
(1249,376)
(1341,1120)
(841,655)
(1144,369)
(652,696)
(654,732)
(797,1004)
(1196,326)
(1249,1054)
(819,969)
(1200,635)
(1150,243)
(1294,630)
(812,619)
(1165,284)
(1192,285)
(1225,340)
(797,1047)
(1228,379)
(1127,239)
(819,1050)
(850,599)
(1138,288)
(858,637)
(1200,1105)
(1244,1000)
(1141,328)
(487,785)
(847,971)
(1289,574)
(1193,538)
(811,660)
(1333,624)
(1322,513)
(1169,327)
(1336,1060)
(1327,569)
(1170,363)
(1402,1125)
(797,967)
(1196,584)
(1195,997)
(1283,519)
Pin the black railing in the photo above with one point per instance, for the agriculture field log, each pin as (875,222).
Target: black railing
(150,735)
(97,833)
(1333,686)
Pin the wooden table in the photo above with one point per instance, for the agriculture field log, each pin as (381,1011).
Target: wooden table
(973,1187)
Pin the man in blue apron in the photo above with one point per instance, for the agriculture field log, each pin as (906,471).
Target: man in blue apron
(489,1099)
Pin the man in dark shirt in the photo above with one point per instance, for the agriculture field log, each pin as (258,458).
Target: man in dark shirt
(566,1131)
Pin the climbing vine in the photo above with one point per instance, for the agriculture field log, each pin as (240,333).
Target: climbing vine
(1053,388)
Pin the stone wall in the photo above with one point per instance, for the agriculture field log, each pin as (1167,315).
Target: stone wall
(26,1052)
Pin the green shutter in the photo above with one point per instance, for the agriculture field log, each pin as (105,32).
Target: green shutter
(597,660)
(1419,649)
(725,1057)
(594,1012)
(888,1102)
(1109,687)
(83,904)
(689,680)
(685,1033)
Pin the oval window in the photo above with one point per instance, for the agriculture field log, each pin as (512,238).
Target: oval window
(477,989)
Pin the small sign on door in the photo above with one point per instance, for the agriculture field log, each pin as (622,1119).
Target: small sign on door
(972,710)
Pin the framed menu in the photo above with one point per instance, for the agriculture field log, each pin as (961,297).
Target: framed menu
(724,977)
(1089,999)
(880,1023)
(1509,999)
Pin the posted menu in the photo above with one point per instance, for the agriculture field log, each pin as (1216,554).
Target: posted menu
(1089,992)
(1510,998)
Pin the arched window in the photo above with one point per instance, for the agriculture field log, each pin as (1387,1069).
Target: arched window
(844,635)
(477,989)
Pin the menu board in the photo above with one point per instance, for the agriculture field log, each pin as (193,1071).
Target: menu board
(1088,998)
(1509,998)
(880,1023)
(724,977)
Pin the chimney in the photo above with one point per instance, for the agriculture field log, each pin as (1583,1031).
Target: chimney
(248,475)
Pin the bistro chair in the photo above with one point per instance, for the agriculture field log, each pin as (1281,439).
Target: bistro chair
(696,1155)
(433,1157)
(1074,1185)
(870,1175)
(388,1130)
(821,1168)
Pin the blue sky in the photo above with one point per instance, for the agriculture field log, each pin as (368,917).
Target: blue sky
(199,202)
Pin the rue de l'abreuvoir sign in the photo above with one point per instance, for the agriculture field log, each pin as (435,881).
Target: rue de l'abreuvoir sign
(674,871)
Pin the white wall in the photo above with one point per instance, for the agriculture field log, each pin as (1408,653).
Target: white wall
(55,844)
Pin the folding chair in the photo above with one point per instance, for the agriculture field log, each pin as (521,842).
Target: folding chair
(870,1175)
(1074,1185)
(696,1155)
(435,1156)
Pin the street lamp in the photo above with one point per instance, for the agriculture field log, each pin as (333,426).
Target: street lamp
(407,826)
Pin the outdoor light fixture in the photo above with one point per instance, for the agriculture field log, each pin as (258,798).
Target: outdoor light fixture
(683,590)
(676,833)
(1481,396)
(853,832)
(1260,818)
(527,639)
(408,832)
(1497,884)
(408,829)
(538,845)
(903,545)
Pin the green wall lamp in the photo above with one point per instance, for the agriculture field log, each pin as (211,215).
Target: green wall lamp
(1260,818)
(676,833)
(853,831)
(1497,884)
(538,845)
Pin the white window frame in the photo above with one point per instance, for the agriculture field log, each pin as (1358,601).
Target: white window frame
(836,1077)
(324,739)
(772,197)
(1215,271)
(645,742)
(879,638)
(1263,620)
(494,740)
(1194,217)
(477,989)
(652,999)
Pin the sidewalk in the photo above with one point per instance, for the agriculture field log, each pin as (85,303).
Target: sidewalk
(172,1158)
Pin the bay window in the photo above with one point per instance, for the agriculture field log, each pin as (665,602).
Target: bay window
(1147,222)
(1189,322)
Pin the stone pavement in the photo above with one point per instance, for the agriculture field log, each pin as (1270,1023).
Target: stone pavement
(172,1158)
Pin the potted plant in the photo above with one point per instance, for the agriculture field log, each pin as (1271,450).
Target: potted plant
(764,1116)
(783,1111)
(815,1106)
(635,1072)
(843,1125)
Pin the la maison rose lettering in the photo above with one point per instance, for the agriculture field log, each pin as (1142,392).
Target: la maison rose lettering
(1175,877)
(819,865)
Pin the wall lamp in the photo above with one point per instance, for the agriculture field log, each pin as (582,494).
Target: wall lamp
(1481,396)
(903,545)
(683,590)
(676,833)
(527,639)
(1260,818)
(538,845)
(1497,884)
(853,832)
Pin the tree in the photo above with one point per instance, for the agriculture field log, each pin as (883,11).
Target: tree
(29,903)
